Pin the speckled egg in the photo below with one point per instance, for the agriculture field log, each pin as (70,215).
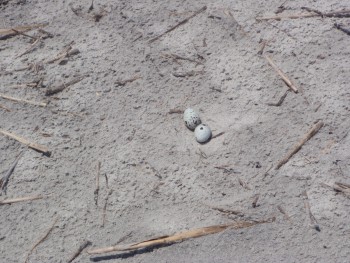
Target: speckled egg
(202,133)
(191,118)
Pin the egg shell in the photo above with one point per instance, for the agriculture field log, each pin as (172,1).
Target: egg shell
(191,118)
(202,133)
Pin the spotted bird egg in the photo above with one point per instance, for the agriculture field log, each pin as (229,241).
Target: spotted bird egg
(202,133)
(191,118)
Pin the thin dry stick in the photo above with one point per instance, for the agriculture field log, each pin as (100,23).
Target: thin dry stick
(79,250)
(343,13)
(30,49)
(243,184)
(104,213)
(41,240)
(284,77)
(339,187)
(32,145)
(20,199)
(14,30)
(300,144)
(62,54)
(225,210)
(179,237)
(4,180)
(24,34)
(280,101)
(308,210)
(4,107)
(41,104)
(97,182)
(285,214)
(255,201)
(217,135)
(124,82)
(341,28)
(177,111)
(60,88)
(179,24)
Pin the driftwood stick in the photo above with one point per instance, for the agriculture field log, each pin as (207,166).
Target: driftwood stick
(33,145)
(41,104)
(179,24)
(179,237)
(79,250)
(9,32)
(313,220)
(300,144)
(284,77)
(20,199)
(343,13)
(60,88)
(41,240)
(97,182)
(4,180)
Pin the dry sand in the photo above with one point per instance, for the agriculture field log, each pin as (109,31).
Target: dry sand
(160,180)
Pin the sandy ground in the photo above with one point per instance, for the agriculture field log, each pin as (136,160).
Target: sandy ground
(160,180)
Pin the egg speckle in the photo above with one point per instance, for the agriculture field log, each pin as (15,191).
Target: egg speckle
(191,118)
(202,133)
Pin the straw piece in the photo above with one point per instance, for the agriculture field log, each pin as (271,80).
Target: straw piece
(20,199)
(300,144)
(41,104)
(284,77)
(33,145)
(179,237)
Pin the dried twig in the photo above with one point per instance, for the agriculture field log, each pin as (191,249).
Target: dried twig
(285,214)
(179,237)
(300,144)
(97,182)
(104,212)
(24,34)
(187,74)
(308,210)
(341,28)
(284,77)
(217,135)
(225,210)
(5,178)
(41,240)
(60,88)
(179,24)
(177,111)
(338,14)
(9,32)
(30,48)
(84,245)
(255,201)
(123,82)
(339,187)
(244,184)
(280,101)
(41,104)
(4,107)
(33,145)
(20,199)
